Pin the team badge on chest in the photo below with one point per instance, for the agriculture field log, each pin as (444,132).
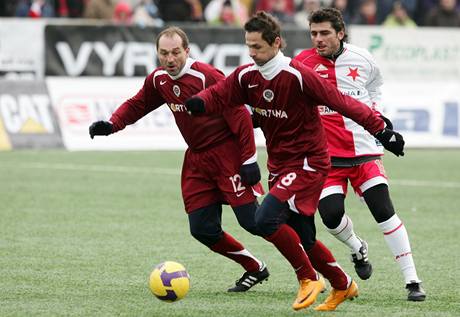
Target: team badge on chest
(176,90)
(268,95)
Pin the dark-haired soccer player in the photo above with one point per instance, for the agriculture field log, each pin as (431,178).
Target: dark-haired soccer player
(355,155)
(284,95)
(220,164)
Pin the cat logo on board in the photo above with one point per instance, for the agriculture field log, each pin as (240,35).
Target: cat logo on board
(176,90)
(268,95)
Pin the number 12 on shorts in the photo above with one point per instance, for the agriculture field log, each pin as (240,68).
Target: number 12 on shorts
(236,183)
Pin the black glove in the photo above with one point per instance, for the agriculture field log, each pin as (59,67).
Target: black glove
(195,105)
(392,141)
(387,121)
(100,128)
(250,174)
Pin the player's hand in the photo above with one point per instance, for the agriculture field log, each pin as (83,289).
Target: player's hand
(100,128)
(392,141)
(195,105)
(387,122)
(250,174)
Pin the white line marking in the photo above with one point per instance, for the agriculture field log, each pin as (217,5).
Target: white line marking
(92,168)
(422,183)
(172,171)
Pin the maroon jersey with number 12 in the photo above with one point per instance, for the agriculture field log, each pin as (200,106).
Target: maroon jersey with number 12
(218,144)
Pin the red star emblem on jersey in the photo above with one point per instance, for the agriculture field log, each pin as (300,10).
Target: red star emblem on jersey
(353,73)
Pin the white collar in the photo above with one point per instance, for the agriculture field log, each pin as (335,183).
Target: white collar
(271,68)
(188,63)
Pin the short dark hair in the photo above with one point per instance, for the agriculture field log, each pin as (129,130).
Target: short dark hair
(329,15)
(266,24)
(170,31)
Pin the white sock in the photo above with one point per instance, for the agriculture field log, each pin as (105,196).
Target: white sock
(396,237)
(344,233)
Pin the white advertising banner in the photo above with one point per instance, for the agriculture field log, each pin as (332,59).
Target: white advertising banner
(22,48)
(427,114)
(412,53)
(80,101)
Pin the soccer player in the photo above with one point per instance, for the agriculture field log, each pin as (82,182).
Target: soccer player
(355,154)
(284,95)
(220,164)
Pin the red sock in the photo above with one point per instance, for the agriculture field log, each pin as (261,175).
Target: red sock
(288,243)
(232,249)
(324,262)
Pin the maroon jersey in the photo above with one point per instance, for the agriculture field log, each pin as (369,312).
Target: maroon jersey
(284,95)
(200,133)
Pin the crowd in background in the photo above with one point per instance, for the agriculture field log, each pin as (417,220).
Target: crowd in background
(407,13)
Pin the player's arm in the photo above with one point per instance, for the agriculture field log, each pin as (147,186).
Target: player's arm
(374,84)
(213,100)
(134,108)
(325,93)
(373,87)
(240,123)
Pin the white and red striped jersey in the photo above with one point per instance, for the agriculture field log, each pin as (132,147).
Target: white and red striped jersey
(355,73)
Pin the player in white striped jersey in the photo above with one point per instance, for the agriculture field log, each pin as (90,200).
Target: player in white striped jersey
(355,154)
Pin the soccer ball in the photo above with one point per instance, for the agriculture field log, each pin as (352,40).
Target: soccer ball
(169,281)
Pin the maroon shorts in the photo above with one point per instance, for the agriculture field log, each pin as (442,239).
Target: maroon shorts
(212,176)
(362,177)
(299,188)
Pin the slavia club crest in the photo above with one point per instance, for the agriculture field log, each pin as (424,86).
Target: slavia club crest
(268,95)
(176,90)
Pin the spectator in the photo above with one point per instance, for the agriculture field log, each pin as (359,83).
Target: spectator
(445,14)
(122,13)
(7,8)
(423,6)
(385,7)
(226,12)
(69,8)
(301,17)
(399,16)
(367,14)
(281,10)
(267,5)
(35,9)
(250,5)
(344,8)
(147,13)
(180,10)
(99,9)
